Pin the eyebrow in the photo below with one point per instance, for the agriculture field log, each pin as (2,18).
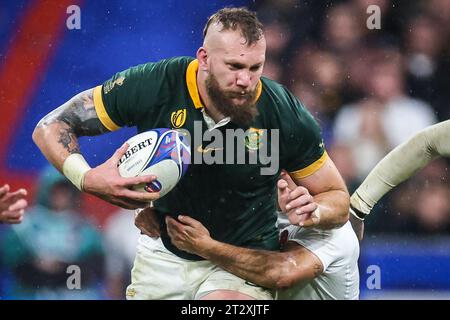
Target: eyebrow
(240,65)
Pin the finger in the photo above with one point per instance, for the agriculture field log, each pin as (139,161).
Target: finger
(4,190)
(282,187)
(291,184)
(174,223)
(282,184)
(119,154)
(18,205)
(12,215)
(177,228)
(312,221)
(15,221)
(20,192)
(12,197)
(297,192)
(306,209)
(299,202)
(134,181)
(171,227)
(188,221)
(139,196)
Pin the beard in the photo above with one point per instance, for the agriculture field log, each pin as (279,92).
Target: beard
(241,114)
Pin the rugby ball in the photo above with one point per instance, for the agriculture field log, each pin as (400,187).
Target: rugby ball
(162,152)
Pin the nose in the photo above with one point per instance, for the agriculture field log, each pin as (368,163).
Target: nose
(243,79)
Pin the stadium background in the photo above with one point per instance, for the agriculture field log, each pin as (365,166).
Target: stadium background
(322,50)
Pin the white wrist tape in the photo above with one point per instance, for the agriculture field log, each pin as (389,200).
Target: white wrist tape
(74,168)
(359,204)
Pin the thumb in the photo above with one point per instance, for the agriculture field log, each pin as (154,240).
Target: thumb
(282,184)
(283,189)
(290,182)
(115,158)
(4,190)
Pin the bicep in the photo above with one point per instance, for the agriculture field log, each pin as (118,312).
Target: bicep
(326,178)
(79,114)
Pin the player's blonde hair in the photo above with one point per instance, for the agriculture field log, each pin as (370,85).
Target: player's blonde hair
(237,18)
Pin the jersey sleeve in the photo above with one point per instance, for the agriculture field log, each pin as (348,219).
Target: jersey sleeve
(318,242)
(335,247)
(303,141)
(129,95)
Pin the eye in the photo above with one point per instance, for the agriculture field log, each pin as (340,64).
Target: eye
(255,68)
(235,66)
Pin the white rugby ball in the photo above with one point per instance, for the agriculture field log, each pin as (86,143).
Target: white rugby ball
(162,152)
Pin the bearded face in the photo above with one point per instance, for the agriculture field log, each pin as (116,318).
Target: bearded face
(240,106)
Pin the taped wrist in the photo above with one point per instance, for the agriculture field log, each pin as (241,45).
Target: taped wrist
(358,214)
(75,168)
(358,207)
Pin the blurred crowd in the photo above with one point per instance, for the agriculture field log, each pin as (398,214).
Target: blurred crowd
(370,89)
(59,252)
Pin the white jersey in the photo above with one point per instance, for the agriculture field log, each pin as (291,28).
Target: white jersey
(338,250)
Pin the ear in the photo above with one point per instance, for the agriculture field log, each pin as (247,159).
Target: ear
(202,57)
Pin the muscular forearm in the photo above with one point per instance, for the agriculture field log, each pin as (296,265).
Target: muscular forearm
(333,208)
(56,141)
(401,163)
(268,269)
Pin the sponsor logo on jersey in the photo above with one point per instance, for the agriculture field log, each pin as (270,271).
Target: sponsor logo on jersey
(110,85)
(178,118)
(253,139)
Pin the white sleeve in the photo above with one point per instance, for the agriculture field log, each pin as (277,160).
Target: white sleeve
(318,242)
(401,163)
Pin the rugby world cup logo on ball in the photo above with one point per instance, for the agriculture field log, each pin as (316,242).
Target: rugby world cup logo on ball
(162,152)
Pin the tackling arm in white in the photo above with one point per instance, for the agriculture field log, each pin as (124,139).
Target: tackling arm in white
(400,164)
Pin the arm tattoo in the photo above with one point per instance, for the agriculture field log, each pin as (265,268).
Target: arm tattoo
(77,117)
(68,139)
(79,113)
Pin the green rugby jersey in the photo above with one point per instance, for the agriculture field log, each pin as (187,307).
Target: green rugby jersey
(234,201)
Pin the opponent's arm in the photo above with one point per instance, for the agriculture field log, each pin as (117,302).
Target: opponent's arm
(269,269)
(397,166)
(320,199)
(57,137)
(400,164)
